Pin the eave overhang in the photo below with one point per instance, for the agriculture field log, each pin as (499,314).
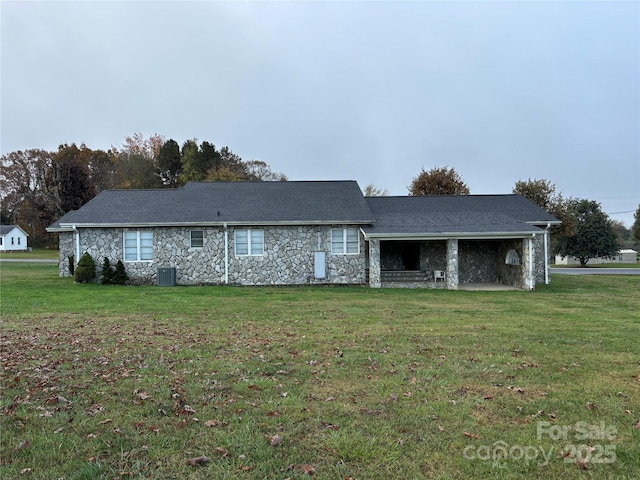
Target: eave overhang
(448,235)
(67,227)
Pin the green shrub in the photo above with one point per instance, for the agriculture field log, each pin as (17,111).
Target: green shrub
(107,272)
(86,269)
(120,276)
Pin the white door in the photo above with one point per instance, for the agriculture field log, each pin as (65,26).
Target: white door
(319,264)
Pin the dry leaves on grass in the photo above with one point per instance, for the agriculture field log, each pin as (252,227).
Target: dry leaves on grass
(198,461)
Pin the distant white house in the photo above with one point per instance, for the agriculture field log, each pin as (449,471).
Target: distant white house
(623,256)
(12,238)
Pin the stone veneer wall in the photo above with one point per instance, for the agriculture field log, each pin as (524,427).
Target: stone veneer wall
(67,248)
(538,264)
(433,255)
(287,259)
(375,279)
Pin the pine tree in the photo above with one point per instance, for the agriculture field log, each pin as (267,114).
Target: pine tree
(107,272)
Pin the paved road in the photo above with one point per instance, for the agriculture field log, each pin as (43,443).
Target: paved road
(597,271)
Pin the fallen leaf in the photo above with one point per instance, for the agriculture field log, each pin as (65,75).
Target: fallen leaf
(591,406)
(222,451)
(582,463)
(26,470)
(211,423)
(471,435)
(23,444)
(108,420)
(329,425)
(307,469)
(441,428)
(197,460)
(637,425)
(273,439)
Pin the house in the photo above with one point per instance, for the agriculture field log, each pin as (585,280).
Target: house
(13,239)
(314,232)
(623,256)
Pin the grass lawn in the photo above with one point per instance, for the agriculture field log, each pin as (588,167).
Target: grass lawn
(328,383)
(37,253)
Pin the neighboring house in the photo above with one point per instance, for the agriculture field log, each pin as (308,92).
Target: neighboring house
(12,238)
(623,256)
(301,233)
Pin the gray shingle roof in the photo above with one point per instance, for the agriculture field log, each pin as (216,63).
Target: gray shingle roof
(313,202)
(231,202)
(4,229)
(459,214)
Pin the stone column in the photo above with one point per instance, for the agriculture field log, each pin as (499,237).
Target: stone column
(452,263)
(528,270)
(374,263)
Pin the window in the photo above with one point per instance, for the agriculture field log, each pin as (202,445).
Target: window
(18,240)
(12,240)
(1,239)
(138,245)
(197,238)
(249,242)
(512,258)
(345,240)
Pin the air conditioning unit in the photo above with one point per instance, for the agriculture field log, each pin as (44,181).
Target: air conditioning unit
(166,276)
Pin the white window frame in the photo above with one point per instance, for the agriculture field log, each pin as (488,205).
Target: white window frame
(343,246)
(253,239)
(140,247)
(201,239)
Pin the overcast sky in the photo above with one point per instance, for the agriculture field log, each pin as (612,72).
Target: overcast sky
(369,91)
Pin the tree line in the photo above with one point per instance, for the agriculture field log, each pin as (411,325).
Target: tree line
(38,186)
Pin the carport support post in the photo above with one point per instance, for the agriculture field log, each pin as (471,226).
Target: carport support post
(528,275)
(374,263)
(452,263)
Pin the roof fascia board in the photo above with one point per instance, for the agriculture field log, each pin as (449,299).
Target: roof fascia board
(68,226)
(546,222)
(446,235)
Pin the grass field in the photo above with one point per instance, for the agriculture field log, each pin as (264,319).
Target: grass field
(332,383)
(36,253)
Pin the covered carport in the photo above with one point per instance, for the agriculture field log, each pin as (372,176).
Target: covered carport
(416,238)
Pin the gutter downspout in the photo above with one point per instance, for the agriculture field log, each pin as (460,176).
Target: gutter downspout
(546,254)
(226,254)
(77,242)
